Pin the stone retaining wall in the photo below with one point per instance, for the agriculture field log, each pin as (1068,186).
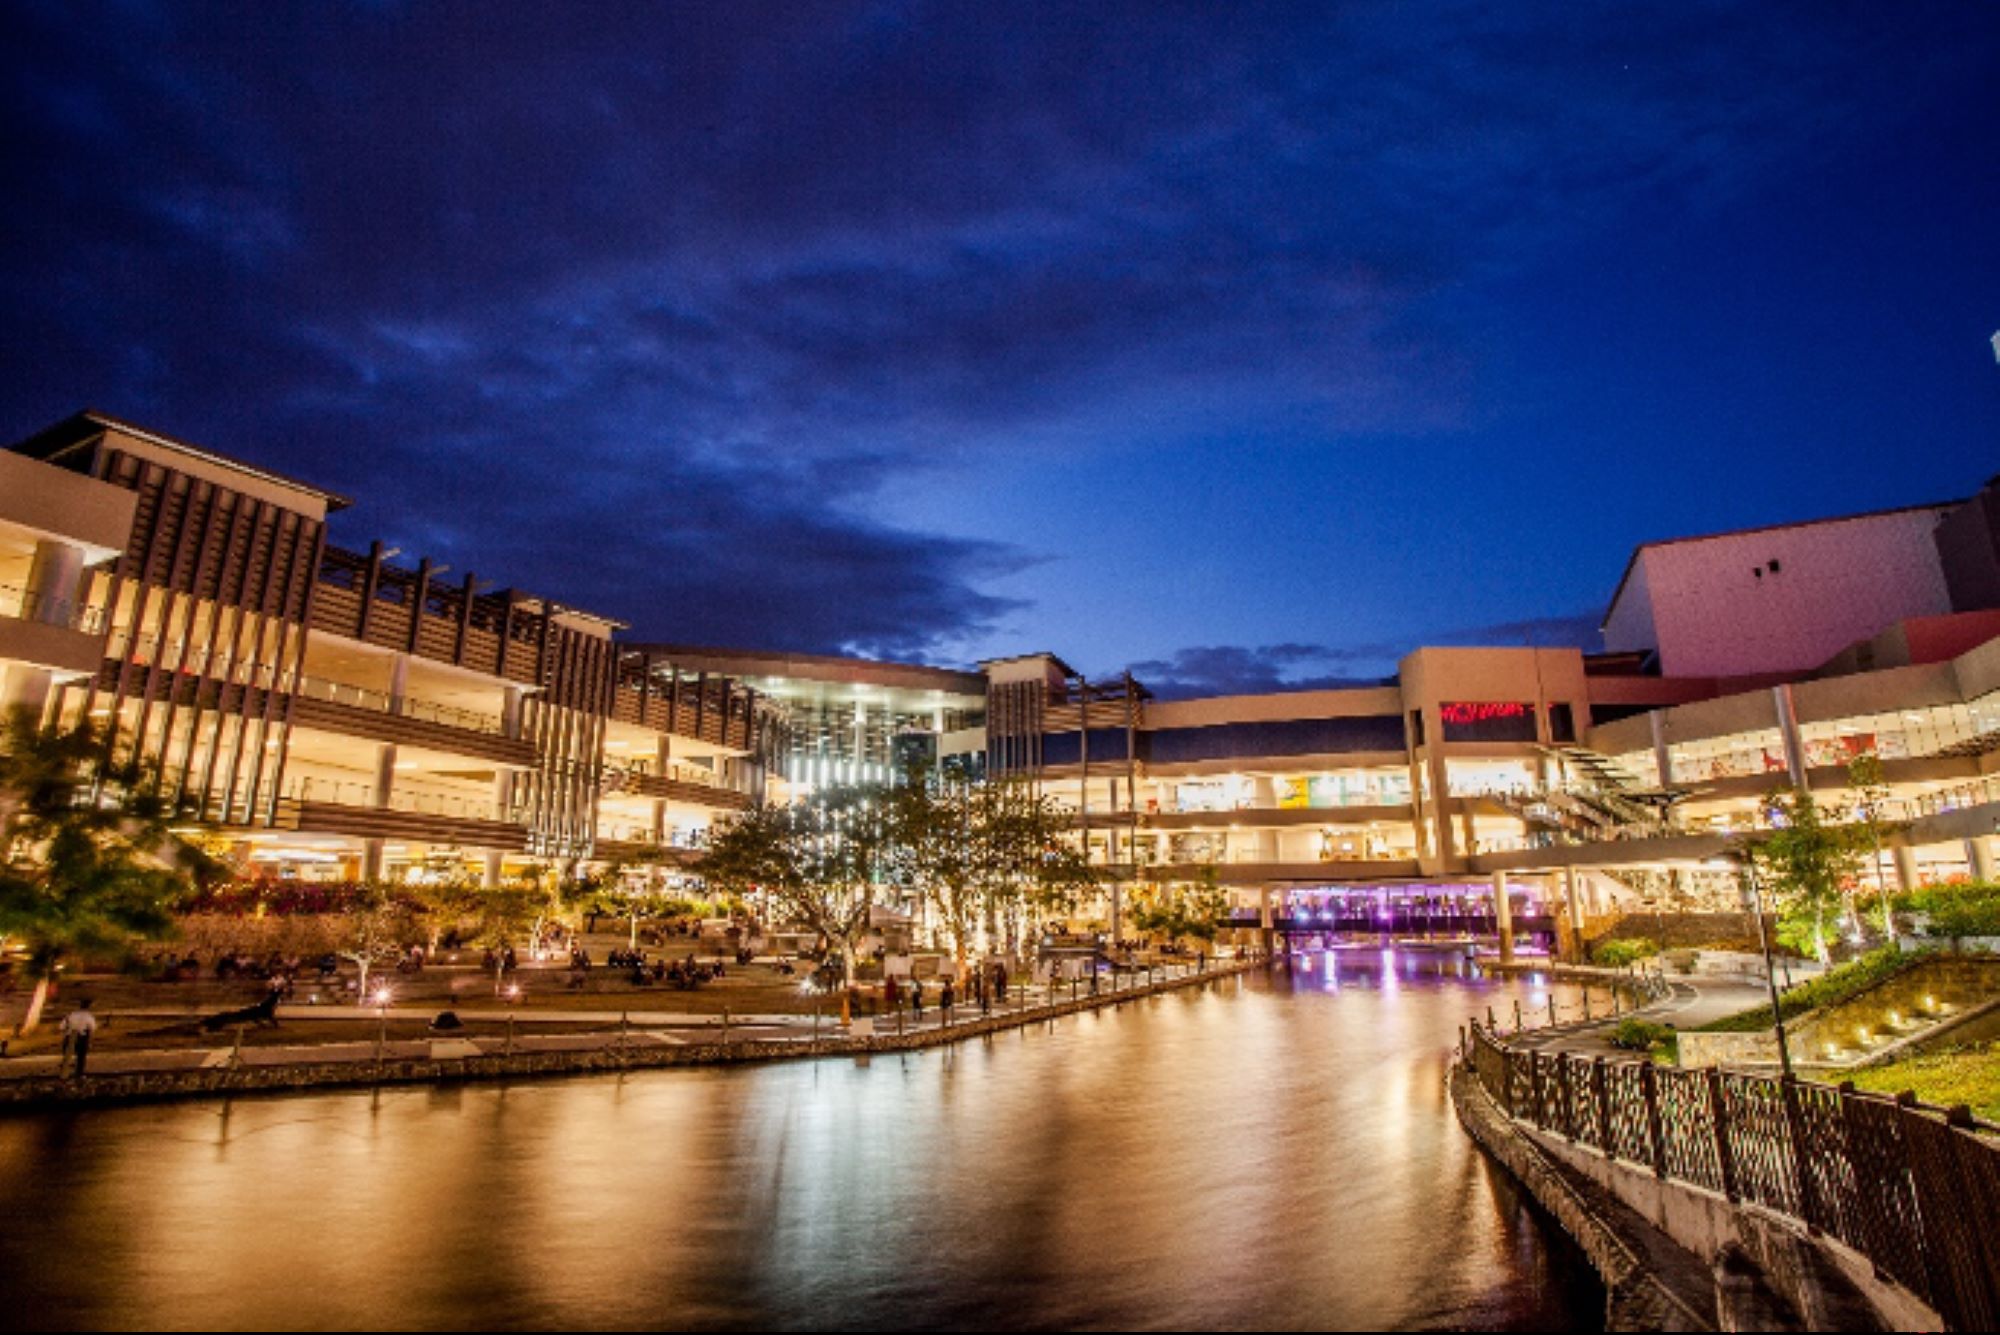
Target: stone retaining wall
(38,1092)
(1964,982)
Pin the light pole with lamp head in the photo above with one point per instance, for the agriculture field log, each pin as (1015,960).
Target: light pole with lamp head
(1753,900)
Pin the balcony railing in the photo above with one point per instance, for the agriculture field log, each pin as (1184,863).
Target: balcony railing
(356,793)
(26,605)
(220,663)
(381,702)
(685,840)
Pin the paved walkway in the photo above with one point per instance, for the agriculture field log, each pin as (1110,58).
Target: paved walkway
(1692,1002)
(611,1030)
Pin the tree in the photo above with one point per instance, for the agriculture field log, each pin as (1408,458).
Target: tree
(1180,912)
(1871,791)
(980,854)
(819,861)
(1807,863)
(373,927)
(89,866)
(615,896)
(440,904)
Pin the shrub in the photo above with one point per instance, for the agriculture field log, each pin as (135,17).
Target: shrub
(1640,1035)
(1616,954)
(1961,908)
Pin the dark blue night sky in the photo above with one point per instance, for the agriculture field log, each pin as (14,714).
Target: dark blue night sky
(1245,344)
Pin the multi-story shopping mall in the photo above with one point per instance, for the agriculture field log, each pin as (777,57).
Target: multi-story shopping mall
(342,713)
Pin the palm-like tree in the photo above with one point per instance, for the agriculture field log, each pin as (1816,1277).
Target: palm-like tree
(88,866)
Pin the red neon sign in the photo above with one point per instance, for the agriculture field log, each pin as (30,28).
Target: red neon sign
(1481,710)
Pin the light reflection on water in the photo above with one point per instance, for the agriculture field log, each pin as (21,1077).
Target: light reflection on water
(1274,1153)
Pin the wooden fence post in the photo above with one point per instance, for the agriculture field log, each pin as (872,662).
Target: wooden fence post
(1725,1166)
(1649,1087)
(1801,1157)
(1601,1086)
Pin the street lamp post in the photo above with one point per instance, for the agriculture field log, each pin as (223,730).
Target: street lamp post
(1754,901)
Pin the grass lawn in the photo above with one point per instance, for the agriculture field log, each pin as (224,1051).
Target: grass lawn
(1965,1075)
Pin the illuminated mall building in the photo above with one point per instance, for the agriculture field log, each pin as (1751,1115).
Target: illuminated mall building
(338,712)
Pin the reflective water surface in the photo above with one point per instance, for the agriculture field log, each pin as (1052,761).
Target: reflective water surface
(1265,1154)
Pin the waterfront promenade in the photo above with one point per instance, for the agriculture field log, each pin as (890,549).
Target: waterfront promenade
(358,1045)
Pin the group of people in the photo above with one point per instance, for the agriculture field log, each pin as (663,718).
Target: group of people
(641,971)
(173,968)
(984,985)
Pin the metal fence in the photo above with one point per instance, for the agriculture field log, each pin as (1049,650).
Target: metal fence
(1913,1188)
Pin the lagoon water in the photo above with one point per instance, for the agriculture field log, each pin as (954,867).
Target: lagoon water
(1266,1153)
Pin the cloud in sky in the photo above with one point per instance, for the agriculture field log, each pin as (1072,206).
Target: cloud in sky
(649,307)
(1232,669)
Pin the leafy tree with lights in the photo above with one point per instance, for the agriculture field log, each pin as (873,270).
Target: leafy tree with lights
(1808,864)
(1183,912)
(981,854)
(375,924)
(1871,793)
(88,864)
(820,862)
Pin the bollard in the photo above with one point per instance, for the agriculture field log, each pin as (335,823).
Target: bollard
(1552,1010)
(725,1026)
(236,1053)
(1586,1005)
(1517,1015)
(1492,1026)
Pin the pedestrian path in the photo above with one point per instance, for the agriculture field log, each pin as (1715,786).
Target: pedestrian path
(1689,1003)
(526,1032)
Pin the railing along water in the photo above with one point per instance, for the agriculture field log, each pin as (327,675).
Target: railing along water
(1913,1188)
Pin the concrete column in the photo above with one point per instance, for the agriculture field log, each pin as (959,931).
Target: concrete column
(1573,894)
(371,859)
(1788,733)
(503,778)
(511,705)
(399,682)
(1979,853)
(1447,838)
(1906,867)
(55,575)
(1503,915)
(385,772)
(1663,755)
(491,878)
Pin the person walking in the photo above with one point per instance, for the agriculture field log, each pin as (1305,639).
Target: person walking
(77,1028)
(917,999)
(944,1000)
